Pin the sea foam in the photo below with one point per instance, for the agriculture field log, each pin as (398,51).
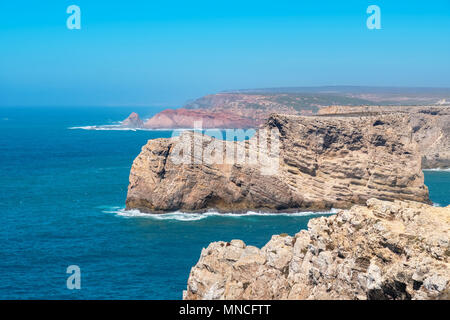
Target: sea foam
(188,216)
(120,128)
(438,169)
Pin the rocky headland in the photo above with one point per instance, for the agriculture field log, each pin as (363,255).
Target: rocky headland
(250,108)
(321,162)
(228,110)
(215,118)
(431,123)
(385,250)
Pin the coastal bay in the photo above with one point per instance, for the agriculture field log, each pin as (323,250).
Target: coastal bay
(63,203)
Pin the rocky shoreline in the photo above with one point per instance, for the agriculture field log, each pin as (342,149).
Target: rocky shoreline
(384,250)
(388,243)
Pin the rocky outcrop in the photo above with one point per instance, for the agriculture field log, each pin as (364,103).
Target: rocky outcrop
(431,128)
(385,250)
(184,118)
(133,121)
(228,110)
(244,109)
(318,163)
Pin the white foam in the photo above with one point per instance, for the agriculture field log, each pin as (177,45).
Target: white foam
(115,127)
(188,216)
(118,127)
(103,128)
(437,169)
(436,204)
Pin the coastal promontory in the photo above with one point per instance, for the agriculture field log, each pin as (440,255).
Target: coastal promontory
(318,162)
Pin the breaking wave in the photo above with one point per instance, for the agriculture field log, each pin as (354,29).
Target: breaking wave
(436,204)
(114,127)
(438,169)
(188,216)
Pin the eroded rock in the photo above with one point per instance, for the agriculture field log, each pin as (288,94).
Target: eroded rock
(321,162)
(355,254)
(430,124)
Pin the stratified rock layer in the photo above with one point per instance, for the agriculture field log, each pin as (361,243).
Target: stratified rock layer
(431,128)
(322,162)
(387,250)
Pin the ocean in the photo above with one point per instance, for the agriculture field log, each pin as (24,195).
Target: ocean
(62,196)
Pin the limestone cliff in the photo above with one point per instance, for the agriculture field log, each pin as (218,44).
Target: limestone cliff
(321,162)
(431,128)
(387,250)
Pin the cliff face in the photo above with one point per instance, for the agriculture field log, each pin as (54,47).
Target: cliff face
(431,129)
(387,250)
(321,162)
(184,118)
(226,110)
(244,110)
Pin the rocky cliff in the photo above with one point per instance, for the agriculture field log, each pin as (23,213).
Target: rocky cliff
(431,128)
(318,163)
(250,108)
(184,118)
(385,250)
(243,110)
(228,110)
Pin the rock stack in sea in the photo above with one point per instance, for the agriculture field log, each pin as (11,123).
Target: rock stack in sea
(133,121)
(385,250)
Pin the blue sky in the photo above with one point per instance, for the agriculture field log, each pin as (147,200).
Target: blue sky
(140,53)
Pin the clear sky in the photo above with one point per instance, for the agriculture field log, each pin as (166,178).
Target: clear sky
(165,52)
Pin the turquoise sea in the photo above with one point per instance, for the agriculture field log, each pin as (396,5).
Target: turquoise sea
(61,203)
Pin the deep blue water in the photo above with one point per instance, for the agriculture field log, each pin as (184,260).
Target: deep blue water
(60,200)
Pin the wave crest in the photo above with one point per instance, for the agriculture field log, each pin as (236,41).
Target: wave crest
(188,216)
(120,128)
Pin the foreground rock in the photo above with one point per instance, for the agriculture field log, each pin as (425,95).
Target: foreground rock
(322,162)
(431,128)
(387,250)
